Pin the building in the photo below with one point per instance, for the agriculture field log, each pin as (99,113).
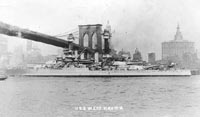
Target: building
(137,55)
(17,57)
(151,57)
(4,52)
(3,45)
(179,50)
(177,47)
(29,45)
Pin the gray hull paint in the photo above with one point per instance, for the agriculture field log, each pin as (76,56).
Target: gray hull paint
(115,73)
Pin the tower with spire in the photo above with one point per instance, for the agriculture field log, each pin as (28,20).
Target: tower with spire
(178,35)
(108,26)
(176,49)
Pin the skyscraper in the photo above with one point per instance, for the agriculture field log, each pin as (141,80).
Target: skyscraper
(29,45)
(151,57)
(137,55)
(178,47)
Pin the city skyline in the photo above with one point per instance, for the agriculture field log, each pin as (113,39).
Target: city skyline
(47,49)
(137,23)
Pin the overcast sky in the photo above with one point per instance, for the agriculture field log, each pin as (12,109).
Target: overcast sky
(144,24)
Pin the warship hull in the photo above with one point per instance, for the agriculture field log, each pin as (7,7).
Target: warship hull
(106,73)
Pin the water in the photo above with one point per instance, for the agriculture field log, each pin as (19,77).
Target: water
(139,97)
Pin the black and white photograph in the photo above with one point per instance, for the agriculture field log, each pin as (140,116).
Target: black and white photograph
(99,58)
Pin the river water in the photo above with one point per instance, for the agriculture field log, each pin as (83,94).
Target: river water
(108,97)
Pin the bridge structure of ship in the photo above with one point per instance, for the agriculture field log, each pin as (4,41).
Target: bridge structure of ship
(90,45)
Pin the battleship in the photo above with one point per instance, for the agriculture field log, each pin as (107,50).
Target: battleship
(106,68)
(70,66)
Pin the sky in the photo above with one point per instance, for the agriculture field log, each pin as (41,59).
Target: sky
(142,24)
